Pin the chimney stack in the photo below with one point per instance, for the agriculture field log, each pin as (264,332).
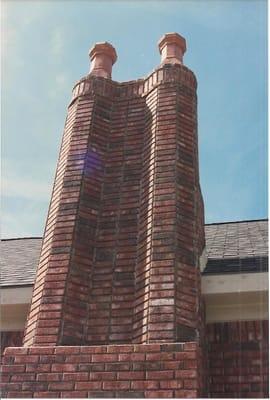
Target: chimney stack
(102,56)
(120,257)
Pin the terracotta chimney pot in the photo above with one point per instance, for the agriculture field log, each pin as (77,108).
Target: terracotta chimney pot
(102,56)
(172,47)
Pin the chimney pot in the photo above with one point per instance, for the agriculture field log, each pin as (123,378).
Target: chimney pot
(172,47)
(102,56)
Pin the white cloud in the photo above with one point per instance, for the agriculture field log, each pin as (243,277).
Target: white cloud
(57,43)
(61,85)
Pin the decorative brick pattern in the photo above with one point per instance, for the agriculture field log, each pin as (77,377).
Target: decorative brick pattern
(120,254)
(140,371)
(238,359)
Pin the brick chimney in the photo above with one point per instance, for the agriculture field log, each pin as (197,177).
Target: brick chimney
(125,230)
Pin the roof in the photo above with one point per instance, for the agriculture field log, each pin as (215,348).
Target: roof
(237,247)
(19,260)
(231,247)
(237,239)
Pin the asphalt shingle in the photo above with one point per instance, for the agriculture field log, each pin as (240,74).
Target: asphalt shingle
(19,260)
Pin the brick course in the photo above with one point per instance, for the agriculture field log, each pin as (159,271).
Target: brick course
(102,371)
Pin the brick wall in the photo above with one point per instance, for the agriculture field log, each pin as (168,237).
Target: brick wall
(238,359)
(150,371)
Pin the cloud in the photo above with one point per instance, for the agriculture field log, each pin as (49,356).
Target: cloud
(61,85)
(57,42)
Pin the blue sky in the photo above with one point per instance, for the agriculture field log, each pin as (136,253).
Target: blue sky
(45,51)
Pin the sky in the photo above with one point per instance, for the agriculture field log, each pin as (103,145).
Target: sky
(45,48)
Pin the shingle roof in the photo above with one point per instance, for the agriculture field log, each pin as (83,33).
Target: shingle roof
(235,247)
(237,239)
(19,259)
(231,247)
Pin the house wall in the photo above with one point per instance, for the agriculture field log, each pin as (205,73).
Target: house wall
(238,359)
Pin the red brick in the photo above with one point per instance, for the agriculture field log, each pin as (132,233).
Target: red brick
(61,386)
(76,376)
(64,367)
(131,375)
(12,394)
(117,385)
(104,357)
(67,350)
(102,376)
(159,375)
(172,384)
(74,394)
(158,394)
(12,368)
(144,384)
(25,377)
(186,356)
(41,350)
(88,385)
(10,351)
(47,394)
(186,374)
(186,394)
(26,359)
(49,377)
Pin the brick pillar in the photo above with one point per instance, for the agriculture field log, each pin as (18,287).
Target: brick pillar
(60,303)
(120,255)
(171,237)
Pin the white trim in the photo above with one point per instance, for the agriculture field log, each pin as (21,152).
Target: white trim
(235,283)
(16,295)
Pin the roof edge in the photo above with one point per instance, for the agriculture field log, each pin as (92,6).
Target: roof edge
(22,238)
(237,222)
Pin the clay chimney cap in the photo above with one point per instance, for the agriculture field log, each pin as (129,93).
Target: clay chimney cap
(103,48)
(172,38)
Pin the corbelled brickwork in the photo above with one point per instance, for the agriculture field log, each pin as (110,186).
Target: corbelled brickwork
(140,371)
(120,255)
(238,359)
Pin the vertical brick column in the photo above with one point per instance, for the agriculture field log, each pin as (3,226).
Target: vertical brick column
(171,236)
(60,302)
(111,298)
